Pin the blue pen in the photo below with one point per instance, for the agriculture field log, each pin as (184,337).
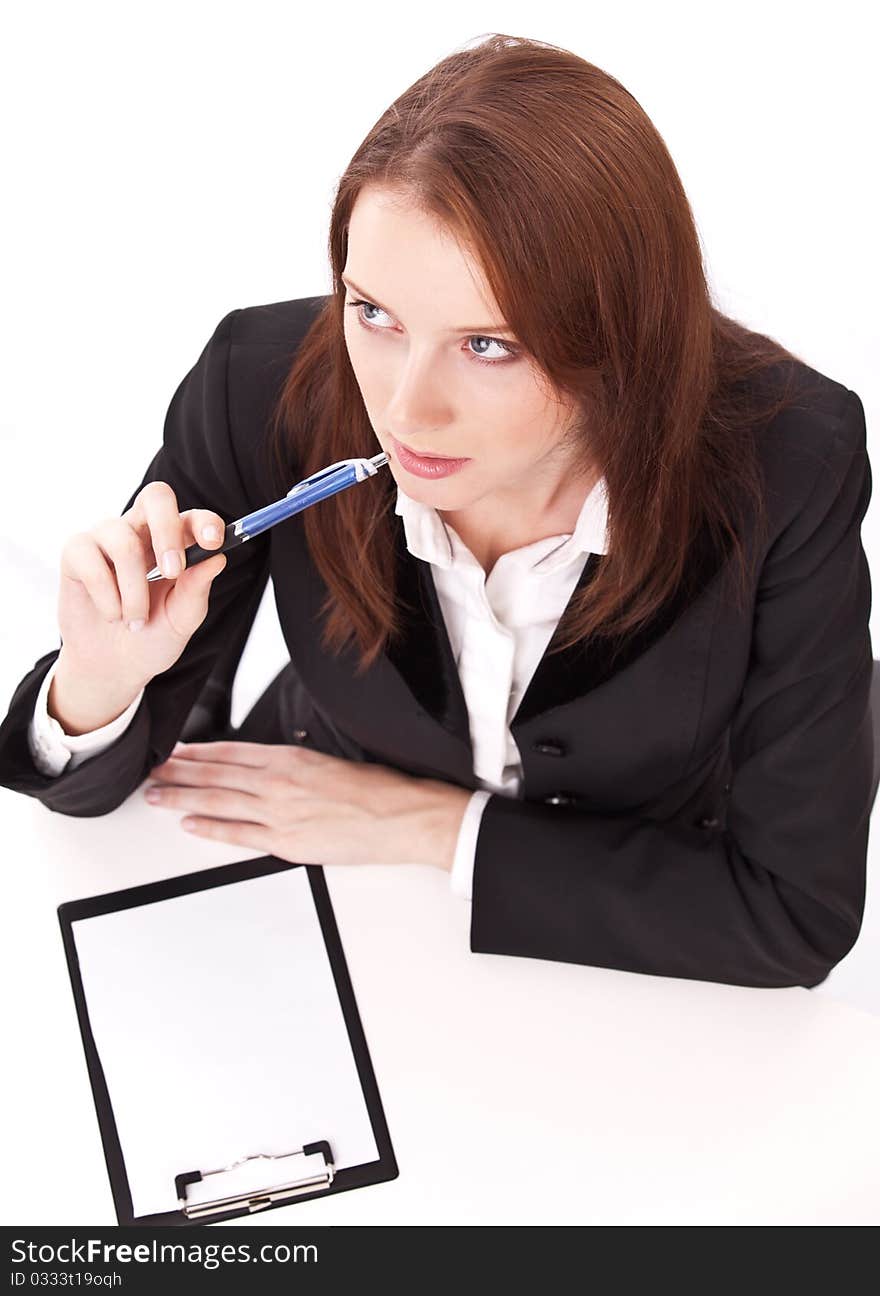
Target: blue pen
(328,481)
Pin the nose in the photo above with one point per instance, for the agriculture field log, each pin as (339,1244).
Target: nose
(419,407)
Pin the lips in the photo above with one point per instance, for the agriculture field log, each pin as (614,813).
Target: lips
(427,465)
(428,454)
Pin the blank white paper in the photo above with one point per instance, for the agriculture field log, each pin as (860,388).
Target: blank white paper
(220,1033)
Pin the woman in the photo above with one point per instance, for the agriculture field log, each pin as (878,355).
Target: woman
(611,668)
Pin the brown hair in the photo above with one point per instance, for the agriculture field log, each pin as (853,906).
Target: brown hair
(552,173)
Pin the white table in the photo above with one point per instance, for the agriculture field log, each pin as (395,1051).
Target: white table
(587,1096)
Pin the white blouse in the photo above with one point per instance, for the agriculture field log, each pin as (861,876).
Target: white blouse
(498,626)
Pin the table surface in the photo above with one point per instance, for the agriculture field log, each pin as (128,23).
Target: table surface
(516,1091)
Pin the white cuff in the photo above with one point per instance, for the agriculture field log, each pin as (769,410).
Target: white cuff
(462,874)
(53,751)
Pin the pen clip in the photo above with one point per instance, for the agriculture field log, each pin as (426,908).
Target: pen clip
(363,468)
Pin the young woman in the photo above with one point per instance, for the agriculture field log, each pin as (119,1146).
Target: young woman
(596,641)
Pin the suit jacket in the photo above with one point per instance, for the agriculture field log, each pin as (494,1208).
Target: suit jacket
(695,801)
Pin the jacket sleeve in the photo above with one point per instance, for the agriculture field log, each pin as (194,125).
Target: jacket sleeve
(198,459)
(776,898)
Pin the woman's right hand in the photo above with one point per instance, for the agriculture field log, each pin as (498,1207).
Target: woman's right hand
(104,588)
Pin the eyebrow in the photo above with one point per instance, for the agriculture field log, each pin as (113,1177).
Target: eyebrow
(462,328)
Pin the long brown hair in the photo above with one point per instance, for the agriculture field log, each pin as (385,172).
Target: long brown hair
(552,173)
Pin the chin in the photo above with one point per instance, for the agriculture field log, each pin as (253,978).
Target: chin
(439,492)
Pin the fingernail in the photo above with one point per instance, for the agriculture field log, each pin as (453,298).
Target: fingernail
(178,746)
(210,533)
(135,625)
(171,562)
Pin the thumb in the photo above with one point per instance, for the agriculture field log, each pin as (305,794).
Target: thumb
(187,603)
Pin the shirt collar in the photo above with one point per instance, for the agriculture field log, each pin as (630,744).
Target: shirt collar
(428,537)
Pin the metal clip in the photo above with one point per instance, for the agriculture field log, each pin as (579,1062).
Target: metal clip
(260,1198)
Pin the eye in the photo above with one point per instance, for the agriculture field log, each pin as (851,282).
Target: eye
(508,350)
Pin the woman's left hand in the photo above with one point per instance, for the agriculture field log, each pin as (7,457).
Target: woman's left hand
(307,807)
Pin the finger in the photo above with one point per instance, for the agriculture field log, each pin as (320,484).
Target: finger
(219,803)
(206,527)
(240,833)
(166,530)
(161,527)
(89,564)
(124,552)
(205,773)
(229,752)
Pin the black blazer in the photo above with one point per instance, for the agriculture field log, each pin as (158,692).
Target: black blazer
(694,805)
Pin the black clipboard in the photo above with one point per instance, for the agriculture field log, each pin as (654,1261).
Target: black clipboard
(309,1168)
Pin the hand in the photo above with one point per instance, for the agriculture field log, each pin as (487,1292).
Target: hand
(310,808)
(104,587)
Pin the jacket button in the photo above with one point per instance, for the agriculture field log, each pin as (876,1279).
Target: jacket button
(560,798)
(300,734)
(708,823)
(549,747)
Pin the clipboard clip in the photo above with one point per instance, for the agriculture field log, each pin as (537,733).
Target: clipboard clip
(257,1199)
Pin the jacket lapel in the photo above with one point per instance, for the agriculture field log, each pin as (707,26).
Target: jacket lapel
(575,671)
(423,655)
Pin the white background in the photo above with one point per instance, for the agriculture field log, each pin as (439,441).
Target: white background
(166,163)
(163,164)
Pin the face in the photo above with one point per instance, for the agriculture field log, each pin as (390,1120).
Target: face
(439,370)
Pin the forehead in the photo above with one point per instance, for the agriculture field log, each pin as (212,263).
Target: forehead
(396,247)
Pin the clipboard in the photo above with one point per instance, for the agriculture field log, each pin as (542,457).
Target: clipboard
(228,1064)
